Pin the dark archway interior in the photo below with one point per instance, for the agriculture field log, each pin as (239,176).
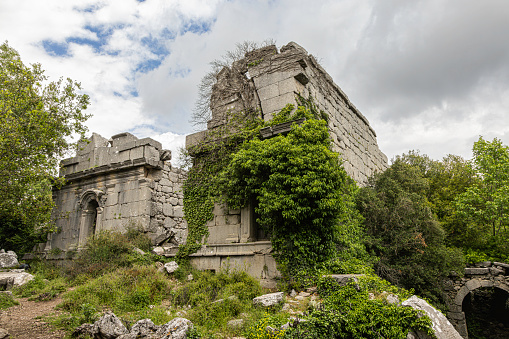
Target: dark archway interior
(487,313)
(91,221)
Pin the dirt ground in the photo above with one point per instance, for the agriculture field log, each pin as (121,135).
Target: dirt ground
(23,321)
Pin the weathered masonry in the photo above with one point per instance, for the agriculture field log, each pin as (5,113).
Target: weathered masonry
(485,274)
(115,184)
(263,83)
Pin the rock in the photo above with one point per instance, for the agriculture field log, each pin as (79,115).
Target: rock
(345,279)
(160,266)
(174,329)
(293,293)
(392,299)
(299,297)
(144,328)
(4,334)
(235,323)
(483,264)
(476,271)
(311,289)
(270,299)
(189,277)
(109,326)
(9,259)
(84,330)
(171,267)
(501,264)
(158,250)
(137,250)
(14,278)
(304,294)
(441,326)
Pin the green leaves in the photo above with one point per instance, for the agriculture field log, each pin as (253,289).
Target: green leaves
(36,122)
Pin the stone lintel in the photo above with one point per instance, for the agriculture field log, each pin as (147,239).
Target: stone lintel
(476,270)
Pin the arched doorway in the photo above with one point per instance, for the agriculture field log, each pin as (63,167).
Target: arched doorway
(486,313)
(91,215)
(478,303)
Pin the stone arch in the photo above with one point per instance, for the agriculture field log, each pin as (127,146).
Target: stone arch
(91,205)
(456,310)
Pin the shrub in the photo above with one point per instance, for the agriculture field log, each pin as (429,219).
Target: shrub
(346,312)
(6,301)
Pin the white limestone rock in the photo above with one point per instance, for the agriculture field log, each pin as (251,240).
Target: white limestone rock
(441,326)
(9,259)
(175,329)
(171,267)
(109,326)
(268,300)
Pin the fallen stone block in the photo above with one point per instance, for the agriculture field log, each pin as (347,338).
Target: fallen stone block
(268,300)
(9,259)
(171,267)
(441,326)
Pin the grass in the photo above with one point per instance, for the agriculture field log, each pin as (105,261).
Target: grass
(7,300)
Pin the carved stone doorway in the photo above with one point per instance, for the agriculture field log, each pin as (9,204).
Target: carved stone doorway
(91,216)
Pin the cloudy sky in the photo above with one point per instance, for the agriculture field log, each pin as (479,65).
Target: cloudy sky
(429,75)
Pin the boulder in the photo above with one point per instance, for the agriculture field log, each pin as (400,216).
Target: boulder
(109,326)
(171,267)
(9,259)
(14,278)
(441,326)
(175,329)
(4,334)
(268,300)
(144,328)
(345,279)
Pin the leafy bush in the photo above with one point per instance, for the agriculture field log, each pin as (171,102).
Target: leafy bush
(217,298)
(346,312)
(260,330)
(108,251)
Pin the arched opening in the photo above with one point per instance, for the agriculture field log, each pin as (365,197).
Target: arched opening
(90,222)
(487,313)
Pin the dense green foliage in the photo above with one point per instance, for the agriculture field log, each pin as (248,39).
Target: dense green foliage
(36,120)
(403,232)
(360,311)
(484,206)
(7,301)
(301,192)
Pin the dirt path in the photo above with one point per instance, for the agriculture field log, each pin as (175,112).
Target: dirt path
(22,321)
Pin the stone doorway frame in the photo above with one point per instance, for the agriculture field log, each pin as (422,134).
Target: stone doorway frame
(90,218)
(456,310)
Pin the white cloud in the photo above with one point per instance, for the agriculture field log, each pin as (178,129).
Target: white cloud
(428,75)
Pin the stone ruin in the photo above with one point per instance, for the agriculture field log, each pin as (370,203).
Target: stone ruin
(263,83)
(113,185)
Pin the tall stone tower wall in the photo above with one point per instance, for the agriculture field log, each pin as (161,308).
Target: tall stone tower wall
(266,80)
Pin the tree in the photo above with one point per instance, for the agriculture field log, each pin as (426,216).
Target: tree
(403,232)
(484,206)
(37,119)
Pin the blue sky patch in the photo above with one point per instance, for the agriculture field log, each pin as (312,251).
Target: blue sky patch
(55,48)
(155,46)
(148,65)
(197,27)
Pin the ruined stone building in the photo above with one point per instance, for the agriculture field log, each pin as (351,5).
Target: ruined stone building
(113,185)
(264,82)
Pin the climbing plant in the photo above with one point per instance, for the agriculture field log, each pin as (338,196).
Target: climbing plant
(300,191)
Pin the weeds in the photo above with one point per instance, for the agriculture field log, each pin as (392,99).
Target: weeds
(7,300)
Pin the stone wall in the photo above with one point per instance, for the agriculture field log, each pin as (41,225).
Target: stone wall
(113,185)
(266,80)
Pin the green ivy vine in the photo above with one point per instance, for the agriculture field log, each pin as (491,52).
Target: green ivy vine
(301,192)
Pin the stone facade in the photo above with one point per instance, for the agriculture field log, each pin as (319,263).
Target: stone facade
(115,184)
(485,274)
(266,80)
(261,84)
